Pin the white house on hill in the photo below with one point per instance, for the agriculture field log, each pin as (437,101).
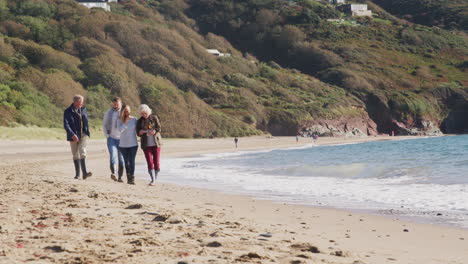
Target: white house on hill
(104,4)
(355,9)
(217,53)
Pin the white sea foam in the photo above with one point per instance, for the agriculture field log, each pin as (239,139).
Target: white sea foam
(378,180)
(374,192)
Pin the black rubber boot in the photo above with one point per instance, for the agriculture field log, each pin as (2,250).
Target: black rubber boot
(77,169)
(86,174)
(131,179)
(121,170)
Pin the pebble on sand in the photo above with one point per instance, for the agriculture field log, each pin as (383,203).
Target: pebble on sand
(214,244)
(268,234)
(134,206)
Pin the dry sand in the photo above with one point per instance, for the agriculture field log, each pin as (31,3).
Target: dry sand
(48,217)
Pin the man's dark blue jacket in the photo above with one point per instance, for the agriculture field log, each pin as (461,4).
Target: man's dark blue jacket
(71,122)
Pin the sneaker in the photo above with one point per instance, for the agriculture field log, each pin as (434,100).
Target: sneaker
(131,182)
(76,177)
(120,180)
(89,174)
(113,177)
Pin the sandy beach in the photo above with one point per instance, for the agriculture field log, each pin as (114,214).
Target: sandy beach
(48,217)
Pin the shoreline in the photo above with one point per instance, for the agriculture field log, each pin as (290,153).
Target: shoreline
(414,216)
(69,220)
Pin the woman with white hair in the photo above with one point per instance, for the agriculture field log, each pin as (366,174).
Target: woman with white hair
(148,128)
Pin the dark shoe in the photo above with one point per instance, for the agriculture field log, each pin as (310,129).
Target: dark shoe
(77,168)
(131,179)
(89,174)
(113,177)
(76,177)
(120,180)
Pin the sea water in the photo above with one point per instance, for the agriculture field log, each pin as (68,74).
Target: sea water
(425,179)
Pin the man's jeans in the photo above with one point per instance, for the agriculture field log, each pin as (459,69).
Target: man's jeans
(114,152)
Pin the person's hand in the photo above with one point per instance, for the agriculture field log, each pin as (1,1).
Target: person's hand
(142,132)
(152,132)
(75,138)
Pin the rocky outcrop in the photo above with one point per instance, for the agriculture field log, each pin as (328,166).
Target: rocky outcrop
(345,127)
(424,128)
(456,101)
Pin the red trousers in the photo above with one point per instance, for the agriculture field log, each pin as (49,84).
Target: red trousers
(152,157)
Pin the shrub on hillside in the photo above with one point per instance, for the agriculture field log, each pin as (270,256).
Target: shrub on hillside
(14,29)
(48,58)
(58,85)
(36,8)
(97,102)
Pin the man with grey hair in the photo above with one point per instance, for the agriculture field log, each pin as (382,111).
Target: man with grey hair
(75,123)
(112,133)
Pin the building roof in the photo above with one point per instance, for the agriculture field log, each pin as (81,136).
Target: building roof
(213,51)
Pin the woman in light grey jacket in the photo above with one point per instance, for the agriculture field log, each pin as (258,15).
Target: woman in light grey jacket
(128,144)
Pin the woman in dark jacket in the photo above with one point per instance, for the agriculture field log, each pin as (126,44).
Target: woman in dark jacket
(148,128)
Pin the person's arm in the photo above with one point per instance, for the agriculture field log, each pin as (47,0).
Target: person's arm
(157,126)
(138,128)
(104,122)
(67,127)
(84,116)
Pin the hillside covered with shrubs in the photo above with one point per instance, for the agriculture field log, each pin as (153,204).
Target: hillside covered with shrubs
(448,14)
(410,77)
(290,69)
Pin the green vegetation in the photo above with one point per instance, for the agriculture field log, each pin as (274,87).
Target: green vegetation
(51,50)
(154,52)
(449,14)
(17,131)
(384,58)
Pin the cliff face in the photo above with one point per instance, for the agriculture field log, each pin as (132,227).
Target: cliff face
(456,121)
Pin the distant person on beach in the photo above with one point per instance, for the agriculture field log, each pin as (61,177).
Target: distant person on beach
(75,123)
(148,129)
(112,133)
(128,144)
(236,140)
(297,139)
(315,137)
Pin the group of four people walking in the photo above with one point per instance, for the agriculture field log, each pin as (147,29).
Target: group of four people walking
(121,130)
